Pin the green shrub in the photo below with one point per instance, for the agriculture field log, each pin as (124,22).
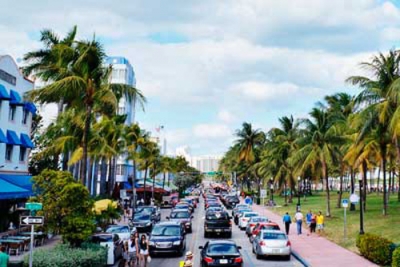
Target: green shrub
(88,255)
(396,258)
(375,248)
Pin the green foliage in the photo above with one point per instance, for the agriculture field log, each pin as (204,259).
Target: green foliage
(65,256)
(375,248)
(396,258)
(67,206)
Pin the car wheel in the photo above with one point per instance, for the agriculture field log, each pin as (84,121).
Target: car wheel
(258,256)
(252,249)
(287,257)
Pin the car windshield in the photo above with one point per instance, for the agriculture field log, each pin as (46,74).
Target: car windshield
(117,229)
(222,249)
(259,219)
(141,217)
(182,206)
(270,227)
(170,230)
(274,236)
(217,216)
(145,209)
(248,215)
(243,210)
(179,215)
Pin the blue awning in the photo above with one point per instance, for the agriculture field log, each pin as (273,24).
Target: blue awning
(12,138)
(26,141)
(15,98)
(29,106)
(11,191)
(3,93)
(3,138)
(127,185)
(23,181)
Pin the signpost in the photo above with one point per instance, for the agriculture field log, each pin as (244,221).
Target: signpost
(345,205)
(32,221)
(263,194)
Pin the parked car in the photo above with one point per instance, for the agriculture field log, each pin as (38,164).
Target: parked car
(153,210)
(220,209)
(263,226)
(239,206)
(239,212)
(271,242)
(220,253)
(113,244)
(253,221)
(231,201)
(124,231)
(217,223)
(142,222)
(181,206)
(213,204)
(245,217)
(167,237)
(184,217)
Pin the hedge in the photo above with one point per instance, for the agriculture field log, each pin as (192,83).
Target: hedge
(62,255)
(375,248)
(396,258)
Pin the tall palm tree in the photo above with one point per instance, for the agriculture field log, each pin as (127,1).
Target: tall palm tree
(248,140)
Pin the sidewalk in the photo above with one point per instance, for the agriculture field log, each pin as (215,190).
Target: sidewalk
(50,243)
(315,250)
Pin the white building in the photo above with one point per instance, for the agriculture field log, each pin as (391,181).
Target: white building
(205,163)
(15,129)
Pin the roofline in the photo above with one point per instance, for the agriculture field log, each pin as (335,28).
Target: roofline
(18,68)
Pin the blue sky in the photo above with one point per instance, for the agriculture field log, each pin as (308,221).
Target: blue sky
(207,66)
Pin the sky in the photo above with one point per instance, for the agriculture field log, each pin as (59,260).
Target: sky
(208,66)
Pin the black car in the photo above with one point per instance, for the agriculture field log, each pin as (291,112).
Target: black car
(167,237)
(217,222)
(153,210)
(183,217)
(142,222)
(231,201)
(220,253)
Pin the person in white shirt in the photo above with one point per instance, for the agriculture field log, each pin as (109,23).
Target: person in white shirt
(133,253)
(299,220)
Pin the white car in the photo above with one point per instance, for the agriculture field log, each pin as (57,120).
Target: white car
(245,217)
(271,243)
(113,244)
(123,231)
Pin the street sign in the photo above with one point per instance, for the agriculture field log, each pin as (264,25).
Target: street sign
(263,193)
(33,206)
(31,220)
(345,203)
(354,198)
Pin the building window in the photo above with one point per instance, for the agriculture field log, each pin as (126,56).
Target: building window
(9,151)
(121,169)
(22,153)
(11,115)
(24,116)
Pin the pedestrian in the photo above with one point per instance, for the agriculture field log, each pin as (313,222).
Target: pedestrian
(299,220)
(320,223)
(308,221)
(188,260)
(152,202)
(313,224)
(125,255)
(4,258)
(287,220)
(144,250)
(133,253)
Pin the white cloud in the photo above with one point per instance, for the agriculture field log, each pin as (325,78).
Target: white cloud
(212,131)
(258,91)
(226,116)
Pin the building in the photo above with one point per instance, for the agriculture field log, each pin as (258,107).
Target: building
(123,73)
(205,163)
(15,130)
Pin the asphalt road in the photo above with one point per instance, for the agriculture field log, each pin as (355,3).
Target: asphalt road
(196,239)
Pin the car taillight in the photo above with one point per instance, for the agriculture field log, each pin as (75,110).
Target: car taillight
(208,260)
(238,260)
(262,243)
(288,243)
(230,223)
(252,225)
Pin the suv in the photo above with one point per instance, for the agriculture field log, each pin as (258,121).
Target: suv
(231,201)
(217,222)
(183,217)
(167,237)
(153,210)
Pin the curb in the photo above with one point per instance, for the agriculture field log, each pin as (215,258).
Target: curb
(300,259)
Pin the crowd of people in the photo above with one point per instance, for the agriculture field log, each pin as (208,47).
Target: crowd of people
(315,222)
(136,251)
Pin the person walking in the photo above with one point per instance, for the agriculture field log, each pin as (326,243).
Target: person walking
(4,257)
(188,260)
(299,220)
(287,220)
(320,222)
(133,253)
(313,224)
(308,221)
(144,250)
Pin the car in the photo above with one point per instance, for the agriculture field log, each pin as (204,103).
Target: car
(213,204)
(124,231)
(215,209)
(218,253)
(142,222)
(217,223)
(239,212)
(253,221)
(231,201)
(183,206)
(245,217)
(239,206)
(167,237)
(190,201)
(153,210)
(113,244)
(271,242)
(263,226)
(184,217)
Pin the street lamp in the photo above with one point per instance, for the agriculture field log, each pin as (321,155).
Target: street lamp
(271,187)
(298,193)
(361,207)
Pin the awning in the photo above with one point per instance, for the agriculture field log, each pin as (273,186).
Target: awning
(3,93)
(11,191)
(15,98)
(24,181)
(127,185)
(12,138)
(3,138)
(29,106)
(26,141)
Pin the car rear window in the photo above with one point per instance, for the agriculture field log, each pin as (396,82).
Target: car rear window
(117,229)
(170,230)
(270,227)
(217,216)
(274,236)
(259,219)
(142,217)
(178,215)
(247,215)
(222,249)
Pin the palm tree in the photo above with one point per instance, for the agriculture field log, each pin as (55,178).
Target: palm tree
(248,140)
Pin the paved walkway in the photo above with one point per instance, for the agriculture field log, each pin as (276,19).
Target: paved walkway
(50,243)
(315,250)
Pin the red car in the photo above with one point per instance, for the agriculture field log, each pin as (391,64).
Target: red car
(263,226)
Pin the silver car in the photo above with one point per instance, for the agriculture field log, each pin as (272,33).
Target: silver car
(271,243)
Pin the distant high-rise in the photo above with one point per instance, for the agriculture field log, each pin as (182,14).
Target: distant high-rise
(206,163)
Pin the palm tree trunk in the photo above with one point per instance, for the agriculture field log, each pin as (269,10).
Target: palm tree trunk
(340,186)
(65,161)
(286,194)
(90,177)
(95,177)
(328,200)
(352,177)
(364,178)
(108,190)
(144,184)
(112,174)
(163,182)
(154,182)
(379,178)
(103,177)
(85,142)
(383,156)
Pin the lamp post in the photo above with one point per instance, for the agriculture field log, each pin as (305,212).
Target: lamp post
(298,189)
(271,187)
(361,206)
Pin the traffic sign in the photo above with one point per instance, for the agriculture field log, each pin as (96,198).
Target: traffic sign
(354,198)
(263,193)
(33,206)
(345,203)
(31,220)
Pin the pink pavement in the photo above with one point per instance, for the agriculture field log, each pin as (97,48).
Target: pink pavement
(315,250)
